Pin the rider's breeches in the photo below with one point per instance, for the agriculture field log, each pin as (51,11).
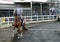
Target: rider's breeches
(21,21)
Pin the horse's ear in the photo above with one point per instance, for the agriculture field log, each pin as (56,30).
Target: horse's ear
(15,14)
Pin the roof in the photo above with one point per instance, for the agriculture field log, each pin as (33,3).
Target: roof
(30,0)
(39,0)
(6,2)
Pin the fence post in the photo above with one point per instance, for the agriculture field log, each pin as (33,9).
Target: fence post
(56,17)
(37,17)
(43,17)
(25,18)
(31,18)
(48,17)
(0,22)
(8,20)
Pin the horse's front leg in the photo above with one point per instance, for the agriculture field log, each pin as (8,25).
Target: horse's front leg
(19,33)
(19,30)
(13,30)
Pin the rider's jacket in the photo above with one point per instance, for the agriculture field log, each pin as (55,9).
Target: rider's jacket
(19,11)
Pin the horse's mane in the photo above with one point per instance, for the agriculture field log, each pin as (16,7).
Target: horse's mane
(16,16)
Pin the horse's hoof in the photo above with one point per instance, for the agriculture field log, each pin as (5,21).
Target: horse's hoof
(18,37)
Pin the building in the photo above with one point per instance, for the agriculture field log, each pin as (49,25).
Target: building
(6,8)
(57,6)
(31,7)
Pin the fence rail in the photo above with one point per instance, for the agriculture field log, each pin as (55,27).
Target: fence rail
(30,19)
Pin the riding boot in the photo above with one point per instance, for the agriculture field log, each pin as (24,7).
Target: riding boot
(24,28)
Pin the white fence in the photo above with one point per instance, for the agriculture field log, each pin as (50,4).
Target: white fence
(30,19)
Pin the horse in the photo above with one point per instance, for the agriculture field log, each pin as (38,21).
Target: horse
(18,24)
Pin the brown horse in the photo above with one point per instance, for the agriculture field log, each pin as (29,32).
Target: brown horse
(17,24)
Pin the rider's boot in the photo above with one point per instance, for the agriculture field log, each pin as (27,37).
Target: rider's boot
(24,28)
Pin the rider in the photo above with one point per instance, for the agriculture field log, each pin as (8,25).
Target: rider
(20,13)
